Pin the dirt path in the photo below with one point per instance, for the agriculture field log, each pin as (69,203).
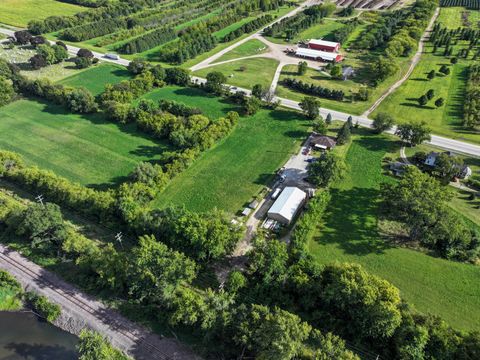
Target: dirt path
(415,59)
(80,310)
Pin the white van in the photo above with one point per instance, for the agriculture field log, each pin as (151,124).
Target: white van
(112,56)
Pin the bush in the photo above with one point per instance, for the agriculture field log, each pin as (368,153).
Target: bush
(43,307)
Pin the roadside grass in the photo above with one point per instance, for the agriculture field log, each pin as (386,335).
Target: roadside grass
(349,233)
(20,55)
(95,78)
(227,176)
(85,149)
(20,12)
(249,48)
(354,107)
(446,120)
(245,73)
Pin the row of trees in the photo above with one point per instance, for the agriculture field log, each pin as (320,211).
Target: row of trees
(311,89)
(471,105)
(92,30)
(250,26)
(187,47)
(291,26)
(147,41)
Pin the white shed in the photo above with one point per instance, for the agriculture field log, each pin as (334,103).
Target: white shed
(287,205)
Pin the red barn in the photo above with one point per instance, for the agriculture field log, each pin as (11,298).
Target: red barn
(323,45)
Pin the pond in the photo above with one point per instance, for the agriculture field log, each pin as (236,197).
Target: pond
(23,336)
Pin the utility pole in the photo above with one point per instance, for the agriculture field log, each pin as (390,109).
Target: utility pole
(118,238)
(39,198)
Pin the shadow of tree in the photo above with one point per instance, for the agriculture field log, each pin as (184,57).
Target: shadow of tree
(40,352)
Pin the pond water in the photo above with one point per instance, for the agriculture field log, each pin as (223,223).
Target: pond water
(23,336)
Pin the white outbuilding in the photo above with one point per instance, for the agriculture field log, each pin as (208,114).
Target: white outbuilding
(287,205)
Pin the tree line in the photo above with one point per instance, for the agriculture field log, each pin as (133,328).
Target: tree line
(248,27)
(311,89)
(147,41)
(471,105)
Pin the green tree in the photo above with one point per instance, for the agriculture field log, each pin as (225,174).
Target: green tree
(6,91)
(47,52)
(320,127)
(423,100)
(383,67)
(271,334)
(431,75)
(268,261)
(82,62)
(453,60)
(344,134)
(157,271)
(367,306)
(61,53)
(328,119)
(383,122)
(446,167)
(251,105)
(43,225)
(336,71)
(328,346)
(81,100)
(430,94)
(414,133)
(137,66)
(302,67)
(444,69)
(310,107)
(329,167)
(257,91)
(439,102)
(93,346)
(215,81)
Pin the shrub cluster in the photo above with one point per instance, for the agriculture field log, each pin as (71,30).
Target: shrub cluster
(314,90)
(43,307)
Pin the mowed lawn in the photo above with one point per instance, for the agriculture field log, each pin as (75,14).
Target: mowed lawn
(228,175)
(20,12)
(249,48)
(84,149)
(95,78)
(350,234)
(245,73)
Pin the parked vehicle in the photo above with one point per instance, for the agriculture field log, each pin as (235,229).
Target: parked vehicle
(276,193)
(112,56)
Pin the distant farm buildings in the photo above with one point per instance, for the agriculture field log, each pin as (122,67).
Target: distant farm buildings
(318,55)
(323,45)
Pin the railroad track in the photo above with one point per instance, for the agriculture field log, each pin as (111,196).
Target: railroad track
(153,351)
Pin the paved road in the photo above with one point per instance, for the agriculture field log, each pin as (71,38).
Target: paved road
(415,59)
(80,310)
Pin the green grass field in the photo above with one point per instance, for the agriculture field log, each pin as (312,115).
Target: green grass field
(446,120)
(84,149)
(350,234)
(20,12)
(324,30)
(249,48)
(228,175)
(256,71)
(95,78)
(451,17)
(9,300)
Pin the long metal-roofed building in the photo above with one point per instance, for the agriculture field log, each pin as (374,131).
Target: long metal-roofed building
(287,205)
(318,55)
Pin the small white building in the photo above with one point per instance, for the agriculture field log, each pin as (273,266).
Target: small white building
(287,205)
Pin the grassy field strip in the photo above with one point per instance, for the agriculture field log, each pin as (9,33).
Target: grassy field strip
(84,149)
(95,78)
(249,48)
(20,12)
(245,73)
(350,234)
